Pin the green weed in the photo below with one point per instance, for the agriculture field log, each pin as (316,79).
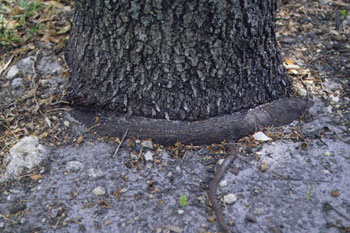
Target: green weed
(183,201)
(309,192)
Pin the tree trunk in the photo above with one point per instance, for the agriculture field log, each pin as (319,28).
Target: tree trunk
(185,60)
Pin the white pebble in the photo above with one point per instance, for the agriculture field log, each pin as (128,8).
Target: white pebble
(264,166)
(260,136)
(180,211)
(221,161)
(99,191)
(13,72)
(230,198)
(149,156)
(147,144)
(95,173)
(223,183)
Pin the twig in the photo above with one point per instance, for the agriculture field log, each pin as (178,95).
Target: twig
(7,65)
(121,142)
(94,126)
(58,109)
(212,193)
(276,173)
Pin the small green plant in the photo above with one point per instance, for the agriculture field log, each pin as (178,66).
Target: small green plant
(309,192)
(344,13)
(183,201)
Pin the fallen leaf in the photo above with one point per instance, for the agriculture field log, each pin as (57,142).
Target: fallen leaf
(80,140)
(36,177)
(335,193)
(288,61)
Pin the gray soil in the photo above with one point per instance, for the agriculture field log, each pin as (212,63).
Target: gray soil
(298,192)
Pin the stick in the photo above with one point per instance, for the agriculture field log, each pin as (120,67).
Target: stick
(212,193)
(121,142)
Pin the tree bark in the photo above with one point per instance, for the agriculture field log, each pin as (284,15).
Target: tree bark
(214,130)
(175,59)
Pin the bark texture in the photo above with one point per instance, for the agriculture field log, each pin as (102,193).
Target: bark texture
(214,130)
(175,59)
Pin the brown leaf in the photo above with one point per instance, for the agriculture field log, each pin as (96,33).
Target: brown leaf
(335,193)
(117,193)
(36,177)
(288,61)
(80,140)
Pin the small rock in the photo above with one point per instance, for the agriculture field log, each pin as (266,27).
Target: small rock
(335,99)
(66,123)
(133,156)
(180,211)
(13,72)
(301,92)
(95,173)
(250,218)
(123,190)
(259,211)
(44,83)
(201,199)
(335,193)
(26,65)
(164,155)
(99,191)
(147,144)
(260,136)
(27,153)
(149,156)
(223,183)
(221,161)
(264,166)
(17,83)
(74,166)
(22,220)
(54,213)
(230,198)
(2,225)
(329,109)
(336,119)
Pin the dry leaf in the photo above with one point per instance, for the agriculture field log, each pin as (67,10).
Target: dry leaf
(288,61)
(80,140)
(36,177)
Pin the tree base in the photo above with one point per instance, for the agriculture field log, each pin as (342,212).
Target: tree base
(214,130)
